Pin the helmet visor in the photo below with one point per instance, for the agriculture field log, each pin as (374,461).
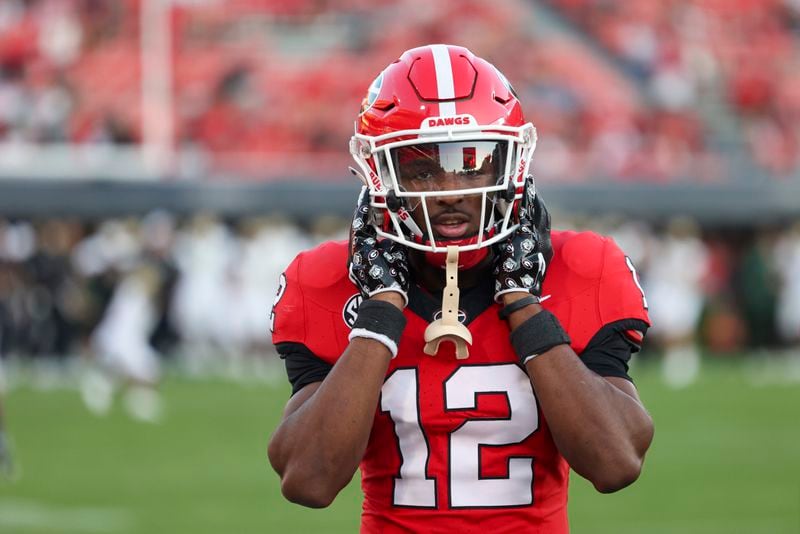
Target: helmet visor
(449,166)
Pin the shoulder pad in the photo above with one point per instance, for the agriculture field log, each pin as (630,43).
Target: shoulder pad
(323,266)
(593,284)
(583,253)
(310,307)
(620,293)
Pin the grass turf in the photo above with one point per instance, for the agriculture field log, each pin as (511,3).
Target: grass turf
(726,459)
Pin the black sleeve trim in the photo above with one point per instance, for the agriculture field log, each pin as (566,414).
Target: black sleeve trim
(610,350)
(303,367)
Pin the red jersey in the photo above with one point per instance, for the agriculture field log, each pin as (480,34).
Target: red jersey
(462,445)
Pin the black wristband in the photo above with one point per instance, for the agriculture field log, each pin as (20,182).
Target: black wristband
(508,309)
(381,321)
(537,335)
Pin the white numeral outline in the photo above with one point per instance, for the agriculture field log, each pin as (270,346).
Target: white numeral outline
(403,409)
(635,275)
(461,393)
(468,487)
(278,295)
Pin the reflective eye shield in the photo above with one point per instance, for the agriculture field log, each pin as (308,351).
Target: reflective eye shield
(423,170)
(449,165)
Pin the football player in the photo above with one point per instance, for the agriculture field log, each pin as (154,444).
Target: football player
(455,349)
(6,458)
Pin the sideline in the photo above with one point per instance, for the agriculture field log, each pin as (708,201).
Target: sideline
(17,514)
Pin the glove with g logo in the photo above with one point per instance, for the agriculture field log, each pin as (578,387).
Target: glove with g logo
(375,266)
(521,261)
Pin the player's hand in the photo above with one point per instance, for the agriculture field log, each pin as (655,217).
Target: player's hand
(521,261)
(375,266)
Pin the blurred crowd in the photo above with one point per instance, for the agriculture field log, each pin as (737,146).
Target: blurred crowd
(631,91)
(743,53)
(70,287)
(109,302)
(715,291)
(201,288)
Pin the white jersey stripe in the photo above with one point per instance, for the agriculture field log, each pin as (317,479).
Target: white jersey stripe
(444,80)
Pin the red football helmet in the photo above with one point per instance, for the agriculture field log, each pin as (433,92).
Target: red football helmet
(442,106)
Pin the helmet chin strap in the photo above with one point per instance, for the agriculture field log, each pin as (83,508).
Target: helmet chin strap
(448,328)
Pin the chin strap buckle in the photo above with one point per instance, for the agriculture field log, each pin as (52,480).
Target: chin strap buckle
(448,328)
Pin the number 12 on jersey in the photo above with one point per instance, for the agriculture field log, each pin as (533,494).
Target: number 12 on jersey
(413,488)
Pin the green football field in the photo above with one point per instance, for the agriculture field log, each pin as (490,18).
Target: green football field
(726,459)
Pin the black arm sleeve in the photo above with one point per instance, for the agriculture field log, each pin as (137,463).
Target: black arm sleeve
(609,351)
(303,367)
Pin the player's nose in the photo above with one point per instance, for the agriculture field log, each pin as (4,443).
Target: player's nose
(450,182)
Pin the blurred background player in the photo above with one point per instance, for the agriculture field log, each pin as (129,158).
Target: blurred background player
(677,268)
(125,358)
(6,458)
(787,261)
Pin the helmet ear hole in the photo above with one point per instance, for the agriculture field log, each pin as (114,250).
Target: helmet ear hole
(510,192)
(393,202)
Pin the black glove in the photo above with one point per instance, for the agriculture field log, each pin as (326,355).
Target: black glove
(375,266)
(521,261)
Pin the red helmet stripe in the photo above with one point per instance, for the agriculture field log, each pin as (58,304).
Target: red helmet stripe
(444,80)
